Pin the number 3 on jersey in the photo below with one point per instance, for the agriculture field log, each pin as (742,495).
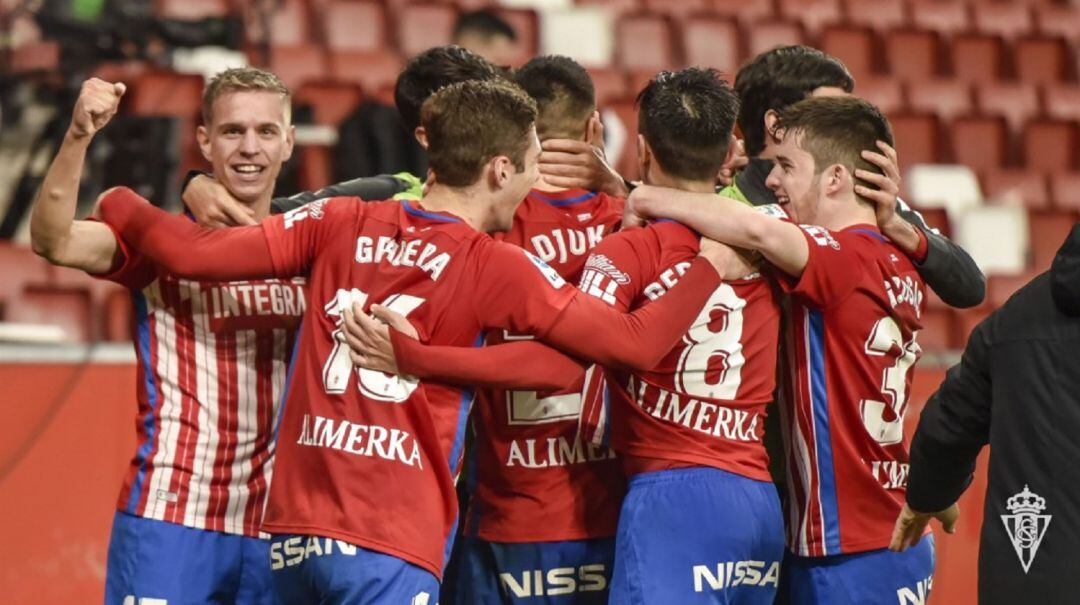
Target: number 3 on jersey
(887,340)
(338,367)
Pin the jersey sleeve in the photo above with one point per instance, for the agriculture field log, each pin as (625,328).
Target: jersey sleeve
(295,237)
(517,291)
(833,269)
(133,269)
(615,270)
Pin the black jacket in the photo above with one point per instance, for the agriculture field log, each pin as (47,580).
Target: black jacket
(1017,388)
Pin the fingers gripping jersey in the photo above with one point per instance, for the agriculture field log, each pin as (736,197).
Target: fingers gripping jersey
(364,457)
(704,404)
(535,480)
(853,316)
(212,360)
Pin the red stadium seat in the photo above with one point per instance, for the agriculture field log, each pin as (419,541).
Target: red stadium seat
(677,8)
(1030,187)
(945,18)
(610,85)
(1001,287)
(709,42)
(527,25)
(853,46)
(979,143)
(70,309)
(422,26)
(315,167)
(912,56)
(1058,20)
(645,42)
(936,334)
(977,58)
(1062,102)
(298,64)
(1065,190)
(375,72)
(746,12)
(1041,60)
(1048,231)
(764,36)
(880,15)
(1017,103)
(1050,146)
(290,24)
(616,7)
(947,99)
(191,10)
(917,139)
(813,15)
(351,25)
(1008,20)
(331,102)
(885,93)
(636,81)
(166,93)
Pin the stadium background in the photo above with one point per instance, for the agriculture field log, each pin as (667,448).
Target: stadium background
(982,95)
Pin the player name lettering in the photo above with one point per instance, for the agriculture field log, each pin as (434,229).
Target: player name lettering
(666,281)
(360,439)
(400,253)
(558,581)
(297,549)
(246,300)
(554,451)
(702,416)
(562,244)
(736,573)
(890,473)
(916,595)
(904,290)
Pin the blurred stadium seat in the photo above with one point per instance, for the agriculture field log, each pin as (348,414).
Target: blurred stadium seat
(979,143)
(298,64)
(1065,190)
(813,15)
(1062,101)
(354,26)
(645,42)
(854,46)
(1031,188)
(1042,60)
(1048,230)
(331,102)
(1050,146)
(374,71)
(290,23)
(880,15)
(883,92)
(710,42)
(917,138)
(763,36)
(610,85)
(996,237)
(750,13)
(976,58)
(1059,20)
(950,187)
(945,18)
(947,99)
(1007,20)
(912,56)
(422,26)
(1016,102)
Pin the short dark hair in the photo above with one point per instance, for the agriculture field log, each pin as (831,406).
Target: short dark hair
(687,118)
(836,130)
(433,69)
(484,23)
(470,122)
(563,92)
(779,77)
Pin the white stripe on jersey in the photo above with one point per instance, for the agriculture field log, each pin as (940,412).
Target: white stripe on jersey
(171,408)
(206,440)
(247,428)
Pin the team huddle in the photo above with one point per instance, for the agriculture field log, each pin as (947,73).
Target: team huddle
(601,364)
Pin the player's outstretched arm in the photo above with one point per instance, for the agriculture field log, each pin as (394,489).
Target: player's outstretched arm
(725,220)
(946,267)
(388,344)
(55,235)
(183,247)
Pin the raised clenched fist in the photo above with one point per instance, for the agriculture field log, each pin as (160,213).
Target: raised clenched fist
(97,104)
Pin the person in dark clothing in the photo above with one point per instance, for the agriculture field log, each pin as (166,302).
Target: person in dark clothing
(1017,388)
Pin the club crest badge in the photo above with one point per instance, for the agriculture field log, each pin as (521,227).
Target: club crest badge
(1026,525)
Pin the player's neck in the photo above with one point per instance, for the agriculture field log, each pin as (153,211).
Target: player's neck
(542,185)
(461,202)
(663,180)
(847,212)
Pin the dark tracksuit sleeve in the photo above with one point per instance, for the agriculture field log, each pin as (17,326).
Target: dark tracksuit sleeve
(949,271)
(371,188)
(953,428)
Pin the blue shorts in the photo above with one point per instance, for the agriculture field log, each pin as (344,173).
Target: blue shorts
(698,535)
(179,565)
(311,569)
(574,572)
(869,578)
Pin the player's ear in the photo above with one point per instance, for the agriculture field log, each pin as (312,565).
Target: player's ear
(771,118)
(501,169)
(836,179)
(644,154)
(290,142)
(421,136)
(202,135)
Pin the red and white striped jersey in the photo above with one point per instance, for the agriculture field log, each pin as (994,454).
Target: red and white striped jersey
(212,361)
(533,479)
(704,403)
(852,320)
